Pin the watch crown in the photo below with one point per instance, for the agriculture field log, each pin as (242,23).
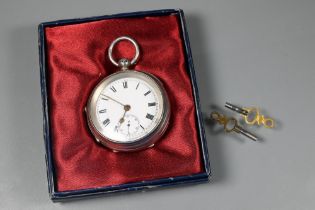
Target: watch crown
(124,63)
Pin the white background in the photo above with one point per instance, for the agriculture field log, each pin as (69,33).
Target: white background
(247,52)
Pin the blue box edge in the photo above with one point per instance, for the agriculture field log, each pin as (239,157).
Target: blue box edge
(130,187)
(135,186)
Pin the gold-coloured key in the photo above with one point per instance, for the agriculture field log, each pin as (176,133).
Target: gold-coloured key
(230,124)
(252,115)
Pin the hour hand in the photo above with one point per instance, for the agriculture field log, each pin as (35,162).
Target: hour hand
(126,108)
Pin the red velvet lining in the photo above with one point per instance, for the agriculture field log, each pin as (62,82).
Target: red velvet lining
(77,60)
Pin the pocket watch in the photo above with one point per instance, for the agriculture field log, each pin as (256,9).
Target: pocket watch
(128,110)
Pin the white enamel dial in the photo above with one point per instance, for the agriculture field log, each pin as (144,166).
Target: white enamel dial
(128,109)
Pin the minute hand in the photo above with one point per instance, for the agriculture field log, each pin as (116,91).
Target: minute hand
(113,100)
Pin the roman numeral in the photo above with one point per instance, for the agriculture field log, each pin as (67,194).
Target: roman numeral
(137,85)
(150,116)
(102,111)
(152,104)
(147,93)
(113,89)
(125,85)
(142,127)
(106,122)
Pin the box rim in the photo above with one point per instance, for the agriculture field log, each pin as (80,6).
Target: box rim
(133,186)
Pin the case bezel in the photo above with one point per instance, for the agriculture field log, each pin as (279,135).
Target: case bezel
(141,143)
